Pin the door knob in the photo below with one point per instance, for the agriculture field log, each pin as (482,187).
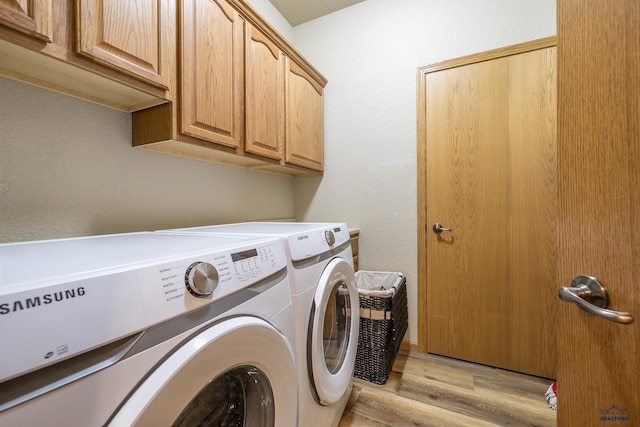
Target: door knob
(438,228)
(588,293)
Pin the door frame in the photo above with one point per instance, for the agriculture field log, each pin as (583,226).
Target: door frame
(421,107)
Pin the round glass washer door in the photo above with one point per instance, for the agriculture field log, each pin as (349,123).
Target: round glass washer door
(238,372)
(333,340)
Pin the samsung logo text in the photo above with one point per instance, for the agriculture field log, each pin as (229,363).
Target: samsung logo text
(40,300)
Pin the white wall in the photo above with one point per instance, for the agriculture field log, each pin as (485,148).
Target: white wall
(67,168)
(370,53)
(271,15)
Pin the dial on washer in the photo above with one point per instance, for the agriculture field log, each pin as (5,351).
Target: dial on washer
(201,279)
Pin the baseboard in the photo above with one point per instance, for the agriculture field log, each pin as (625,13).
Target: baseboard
(408,346)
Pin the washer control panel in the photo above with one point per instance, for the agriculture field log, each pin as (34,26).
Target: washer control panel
(180,286)
(94,290)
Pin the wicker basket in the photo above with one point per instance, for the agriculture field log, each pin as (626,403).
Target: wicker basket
(383,323)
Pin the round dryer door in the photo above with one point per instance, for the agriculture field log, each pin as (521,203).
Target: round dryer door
(333,340)
(238,372)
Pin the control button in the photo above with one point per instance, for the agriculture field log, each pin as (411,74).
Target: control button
(201,279)
(330,237)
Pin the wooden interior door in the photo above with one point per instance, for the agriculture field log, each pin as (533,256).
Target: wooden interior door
(599,209)
(490,144)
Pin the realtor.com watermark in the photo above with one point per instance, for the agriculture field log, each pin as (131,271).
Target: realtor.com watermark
(614,414)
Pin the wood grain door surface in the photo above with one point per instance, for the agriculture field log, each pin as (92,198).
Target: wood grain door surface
(212,72)
(264,89)
(123,34)
(33,18)
(491,177)
(599,208)
(304,120)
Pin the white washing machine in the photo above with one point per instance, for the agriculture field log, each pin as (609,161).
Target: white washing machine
(146,329)
(325,300)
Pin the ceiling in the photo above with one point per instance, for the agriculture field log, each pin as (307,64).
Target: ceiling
(300,11)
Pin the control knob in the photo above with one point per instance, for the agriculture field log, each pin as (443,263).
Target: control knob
(201,279)
(330,237)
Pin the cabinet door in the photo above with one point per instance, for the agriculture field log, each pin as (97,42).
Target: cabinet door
(264,95)
(304,119)
(33,18)
(212,72)
(123,34)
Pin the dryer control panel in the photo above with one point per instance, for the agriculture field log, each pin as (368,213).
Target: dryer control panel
(312,242)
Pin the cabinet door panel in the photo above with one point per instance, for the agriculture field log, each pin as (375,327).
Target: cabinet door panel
(123,34)
(304,120)
(212,72)
(33,18)
(264,96)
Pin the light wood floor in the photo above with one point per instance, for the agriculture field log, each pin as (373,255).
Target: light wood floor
(429,390)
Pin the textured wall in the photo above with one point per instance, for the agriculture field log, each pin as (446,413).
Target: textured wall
(370,53)
(271,15)
(67,168)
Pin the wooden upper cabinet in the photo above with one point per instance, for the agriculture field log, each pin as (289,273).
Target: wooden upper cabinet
(304,119)
(33,18)
(244,96)
(212,72)
(264,95)
(104,51)
(123,34)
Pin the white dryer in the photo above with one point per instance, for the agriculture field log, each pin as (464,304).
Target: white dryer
(325,300)
(146,329)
